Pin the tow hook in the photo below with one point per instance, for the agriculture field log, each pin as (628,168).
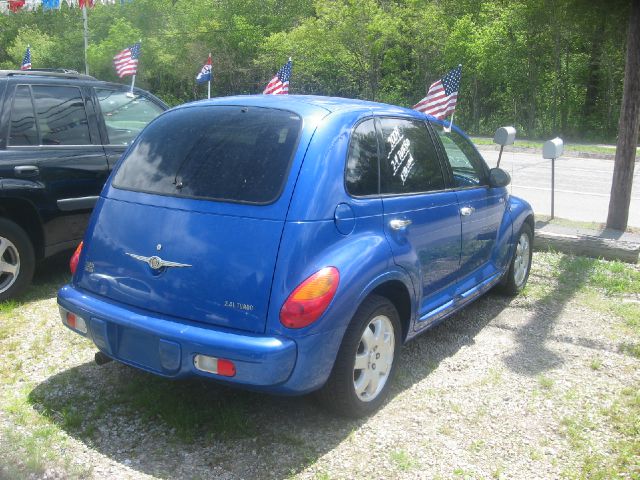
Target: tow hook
(100,358)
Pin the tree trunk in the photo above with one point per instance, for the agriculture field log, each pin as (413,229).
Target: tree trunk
(628,128)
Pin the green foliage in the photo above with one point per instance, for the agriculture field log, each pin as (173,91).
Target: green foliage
(549,67)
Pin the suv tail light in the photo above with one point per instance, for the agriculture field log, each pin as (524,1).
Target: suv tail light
(310,299)
(73,263)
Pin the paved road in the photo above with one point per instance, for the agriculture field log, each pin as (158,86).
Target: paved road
(582,185)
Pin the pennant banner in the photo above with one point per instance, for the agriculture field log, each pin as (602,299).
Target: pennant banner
(14,6)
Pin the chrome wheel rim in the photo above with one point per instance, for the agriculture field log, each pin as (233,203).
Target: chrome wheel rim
(9,264)
(374,358)
(521,262)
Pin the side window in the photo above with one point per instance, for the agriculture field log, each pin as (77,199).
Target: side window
(409,162)
(62,119)
(362,160)
(23,125)
(125,116)
(467,166)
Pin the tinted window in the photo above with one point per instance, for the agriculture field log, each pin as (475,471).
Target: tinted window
(409,162)
(224,153)
(23,126)
(125,117)
(61,116)
(466,164)
(362,161)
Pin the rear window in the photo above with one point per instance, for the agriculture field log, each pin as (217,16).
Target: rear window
(227,153)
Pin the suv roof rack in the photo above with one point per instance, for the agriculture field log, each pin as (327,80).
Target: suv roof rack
(47,72)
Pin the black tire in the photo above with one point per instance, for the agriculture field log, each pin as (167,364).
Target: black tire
(339,393)
(514,281)
(17,260)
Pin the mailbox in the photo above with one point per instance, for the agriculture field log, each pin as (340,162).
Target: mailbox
(553,148)
(505,136)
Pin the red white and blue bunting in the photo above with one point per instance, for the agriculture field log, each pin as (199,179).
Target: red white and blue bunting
(15,6)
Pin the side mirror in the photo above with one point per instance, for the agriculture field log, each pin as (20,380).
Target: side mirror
(498,178)
(505,136)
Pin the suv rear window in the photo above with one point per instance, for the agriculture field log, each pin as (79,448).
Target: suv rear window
(227,153)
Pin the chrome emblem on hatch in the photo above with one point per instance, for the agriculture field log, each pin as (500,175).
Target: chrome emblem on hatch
(156,262)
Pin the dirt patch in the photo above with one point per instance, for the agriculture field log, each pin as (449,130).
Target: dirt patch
(505,389)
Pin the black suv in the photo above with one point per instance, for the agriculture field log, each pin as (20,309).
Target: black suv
(60,135)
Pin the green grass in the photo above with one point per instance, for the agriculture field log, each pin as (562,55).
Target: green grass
(622,463)
(402,460)
(576,147)
(545,383)
(191,409)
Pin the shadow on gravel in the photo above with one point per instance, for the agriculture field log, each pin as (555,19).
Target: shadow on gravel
(533,357)
(49,276)
(193,429)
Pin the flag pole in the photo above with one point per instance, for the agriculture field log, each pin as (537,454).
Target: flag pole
(448,129)
(133,80)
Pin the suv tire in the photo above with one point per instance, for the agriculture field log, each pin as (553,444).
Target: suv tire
(17,259)
(372,336)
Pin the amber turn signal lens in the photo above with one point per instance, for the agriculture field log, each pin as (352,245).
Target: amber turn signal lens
(310,299)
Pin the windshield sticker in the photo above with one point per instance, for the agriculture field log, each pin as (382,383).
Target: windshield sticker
(401,161)
(394,138)
(406,170)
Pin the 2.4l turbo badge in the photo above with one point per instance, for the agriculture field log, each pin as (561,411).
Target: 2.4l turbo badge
(239,306)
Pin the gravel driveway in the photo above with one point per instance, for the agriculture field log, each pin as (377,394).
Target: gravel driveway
(509,388)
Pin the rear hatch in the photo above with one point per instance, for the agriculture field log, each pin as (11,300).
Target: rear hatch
(192,222)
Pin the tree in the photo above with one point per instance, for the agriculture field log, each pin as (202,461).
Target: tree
(628,128)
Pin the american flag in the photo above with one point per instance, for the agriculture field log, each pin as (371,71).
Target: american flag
(279,85)
(26,60)
(442,96)
(205,72)
(126,62)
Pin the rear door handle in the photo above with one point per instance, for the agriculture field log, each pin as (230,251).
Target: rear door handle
(398,224)
(26,171)
(466,211)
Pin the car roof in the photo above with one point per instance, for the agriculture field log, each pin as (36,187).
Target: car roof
(47,72)
(301,103)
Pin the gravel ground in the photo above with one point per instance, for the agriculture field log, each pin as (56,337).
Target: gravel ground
(497,391)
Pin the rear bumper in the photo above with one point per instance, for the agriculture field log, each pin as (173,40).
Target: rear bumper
(166,347)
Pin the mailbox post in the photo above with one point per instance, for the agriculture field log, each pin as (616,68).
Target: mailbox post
(504,136)
(552,149)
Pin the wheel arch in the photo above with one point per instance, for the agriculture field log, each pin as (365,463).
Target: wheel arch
(398,294)
(25,215)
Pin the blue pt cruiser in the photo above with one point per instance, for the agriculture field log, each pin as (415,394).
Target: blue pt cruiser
(291,244)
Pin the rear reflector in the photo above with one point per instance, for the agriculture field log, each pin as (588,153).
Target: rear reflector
(217,366)
(73,321)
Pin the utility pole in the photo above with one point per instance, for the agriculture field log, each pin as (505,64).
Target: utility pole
(85,22)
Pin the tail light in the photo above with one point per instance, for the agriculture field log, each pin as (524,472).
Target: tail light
(310,299)
(73,263)
(73,321)
(217,366)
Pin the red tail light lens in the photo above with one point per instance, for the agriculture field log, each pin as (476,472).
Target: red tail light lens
(310,299)
(73,263)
